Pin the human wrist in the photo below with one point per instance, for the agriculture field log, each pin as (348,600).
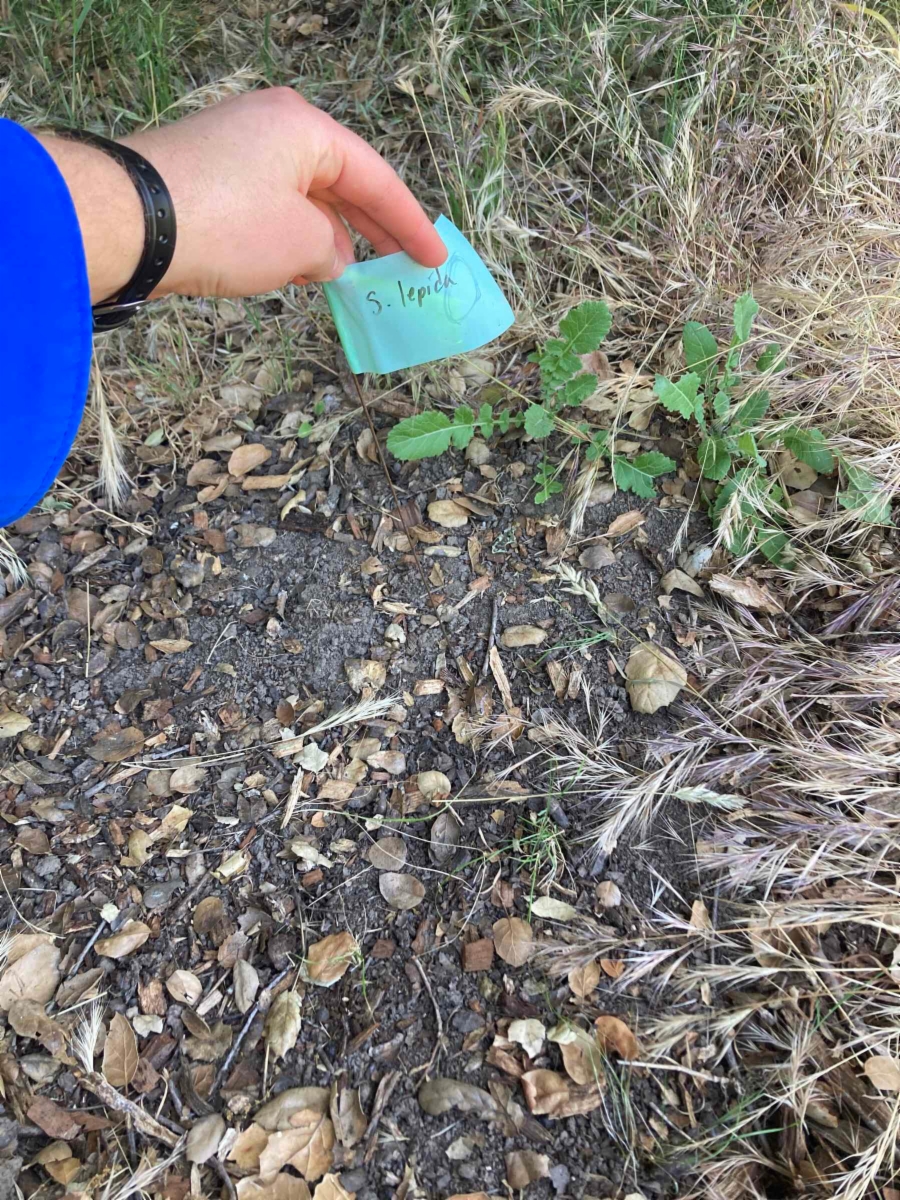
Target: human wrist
(109,213)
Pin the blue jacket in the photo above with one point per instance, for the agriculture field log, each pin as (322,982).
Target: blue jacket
(45,322)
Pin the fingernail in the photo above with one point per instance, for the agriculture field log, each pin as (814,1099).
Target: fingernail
(337,267)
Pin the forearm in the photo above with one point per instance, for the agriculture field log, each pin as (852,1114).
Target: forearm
(108,209)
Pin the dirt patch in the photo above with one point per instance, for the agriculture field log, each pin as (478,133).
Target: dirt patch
(213,648)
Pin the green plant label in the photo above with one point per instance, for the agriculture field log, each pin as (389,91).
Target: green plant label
(392,313)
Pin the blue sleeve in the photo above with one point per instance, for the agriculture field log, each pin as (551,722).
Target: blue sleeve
(45,322)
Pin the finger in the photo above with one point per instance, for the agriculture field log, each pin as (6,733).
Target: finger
(342,240)
(367,183)
(320,258)
(380,239)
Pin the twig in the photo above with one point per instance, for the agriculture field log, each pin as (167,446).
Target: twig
(86,951)
(656,1066)
(439,1042)
(222,1073)
(143,1122)
(220,1170)
(492,634)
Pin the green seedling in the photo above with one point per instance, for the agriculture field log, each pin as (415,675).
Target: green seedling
(565,386)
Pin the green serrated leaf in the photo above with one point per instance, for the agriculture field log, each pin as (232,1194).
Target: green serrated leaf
(713,457)
(599,446)
(463,427)
(538,421)
(753,409)
(585,327)
(486,420)
(579,389)
(865,496)
(653,463)
(768,359)
(638,476)
(810,446)
(700,349)
(745,309)
(425,435)
(775,545)
(748,448)
(721,404)
(503,417)
(680,397)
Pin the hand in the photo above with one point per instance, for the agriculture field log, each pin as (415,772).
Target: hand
(262,185)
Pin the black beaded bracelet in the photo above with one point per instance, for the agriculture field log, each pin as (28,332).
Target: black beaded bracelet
(159,230)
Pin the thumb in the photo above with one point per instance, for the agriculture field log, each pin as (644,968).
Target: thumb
(321,254)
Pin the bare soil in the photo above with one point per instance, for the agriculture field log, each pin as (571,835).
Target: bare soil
(270,631)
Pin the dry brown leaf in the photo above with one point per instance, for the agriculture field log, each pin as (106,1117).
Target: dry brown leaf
(700,916)
(522,635)
(513,940)
(444,840)
(130,937)
(365,675)
(347,1117)
(582,1053)
(184,987)
(678,580)
(276,1114)
(22,943)
(625,522)
(187,779)
(331,1188)
(556,910)
(283,1187)
(34,976)
(524,1167)
(246,985)
(434,786)
(63,1170)
(550,1094)
(583,980)
(529,1033)
(614,1034)
(612,967)
(204,1137)
(448,514)
(747,592)
(28,1019)
(545,1091)
(53,1120)
(653,678)
(392,761)
(248,1146)
(120,1052)
(306,1146)
(282,1026)
(328,960)
(401,891)
(884,1072)
(387,854)
(171,645)
(115,747)
(247,458)
(597,556)
(438,1096)
(13,723)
